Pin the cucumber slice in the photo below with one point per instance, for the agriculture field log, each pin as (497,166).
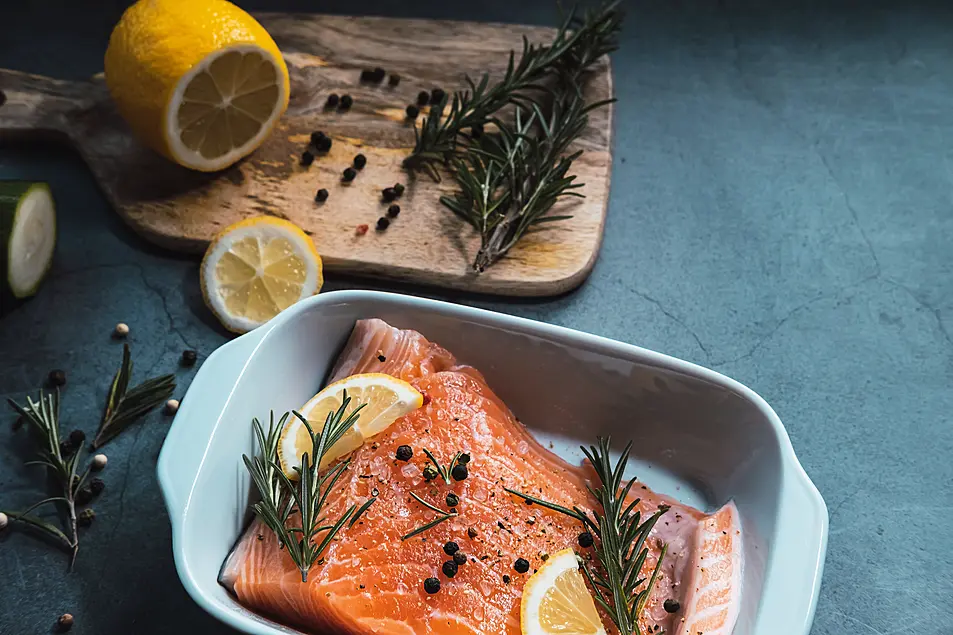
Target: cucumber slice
(27,235)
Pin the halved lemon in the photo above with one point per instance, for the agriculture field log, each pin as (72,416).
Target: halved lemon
(556,601)
(256,268)
(385,400)
(199,81)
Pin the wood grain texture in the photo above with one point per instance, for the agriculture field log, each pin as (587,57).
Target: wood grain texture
(182,210)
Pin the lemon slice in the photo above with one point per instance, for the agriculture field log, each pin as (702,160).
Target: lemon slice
(385,400)
(556,601)
(199,81)
(257,268)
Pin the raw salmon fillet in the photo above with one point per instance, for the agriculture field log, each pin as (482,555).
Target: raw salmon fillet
(370,581)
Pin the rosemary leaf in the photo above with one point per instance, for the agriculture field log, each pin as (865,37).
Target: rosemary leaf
(360,511)
(125,406)
(621,550)
(282,498)
(426,504)
(43,416)
(426,526)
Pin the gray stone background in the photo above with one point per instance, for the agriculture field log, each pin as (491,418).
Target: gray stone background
(780,212)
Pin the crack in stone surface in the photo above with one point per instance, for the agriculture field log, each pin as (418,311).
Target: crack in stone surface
(165,305)
(675,319)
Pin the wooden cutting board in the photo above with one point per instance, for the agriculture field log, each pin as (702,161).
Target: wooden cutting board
(182,210)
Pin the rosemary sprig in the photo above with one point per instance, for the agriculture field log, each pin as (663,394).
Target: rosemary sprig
(124,406)
(621,550)
(510,180)
(43,417)
(282,499)
(443,471)
(443,515)
(577,45)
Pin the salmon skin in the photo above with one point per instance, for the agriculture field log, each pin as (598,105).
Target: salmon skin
(371,581)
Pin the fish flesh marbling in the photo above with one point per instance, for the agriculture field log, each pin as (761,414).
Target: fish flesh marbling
(371,581)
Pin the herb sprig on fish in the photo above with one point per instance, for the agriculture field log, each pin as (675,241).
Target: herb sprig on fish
(295,510)
(620,550)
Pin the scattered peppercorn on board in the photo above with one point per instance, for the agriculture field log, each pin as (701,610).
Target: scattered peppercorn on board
(183,210)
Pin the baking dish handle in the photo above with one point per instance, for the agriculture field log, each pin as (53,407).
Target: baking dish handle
(182,453)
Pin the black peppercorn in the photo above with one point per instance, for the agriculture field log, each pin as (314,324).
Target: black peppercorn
(506,579)
(412,111)
(459,472)
(671,606)
(423,98)
(436,95)
(431,585)
(394,210)
(96,486)
(521,565)
(321,195)
(404,453)
(85,518)
(399,188)
(430,473)
(449,568)
(84,496)
(360,161)
(382,223)
(585,540)
(388,194)
(464,458)
(189,358)
(459,558)
(452,500)
(57,378)
(381,359)
(349,174)
(76,438)
(394,79)
(321,141)
(307,158)
(346,102)
(451,548)
(333,100)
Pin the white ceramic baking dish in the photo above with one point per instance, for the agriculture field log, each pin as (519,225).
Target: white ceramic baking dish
(699,436)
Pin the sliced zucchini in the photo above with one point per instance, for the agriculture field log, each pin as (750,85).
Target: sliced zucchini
(27,235)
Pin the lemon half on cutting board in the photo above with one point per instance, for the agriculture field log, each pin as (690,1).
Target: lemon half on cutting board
(199,81)
(257,268)
(385,399)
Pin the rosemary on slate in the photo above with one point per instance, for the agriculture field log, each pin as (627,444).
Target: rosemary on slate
(43,417)
(281,498)
(621,550)
(443,515)
(125,405)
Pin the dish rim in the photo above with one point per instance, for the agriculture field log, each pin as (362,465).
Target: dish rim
(243,350)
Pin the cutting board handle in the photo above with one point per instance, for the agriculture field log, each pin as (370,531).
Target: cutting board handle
(33,103)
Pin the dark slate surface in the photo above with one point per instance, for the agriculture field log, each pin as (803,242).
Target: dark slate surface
(780,211)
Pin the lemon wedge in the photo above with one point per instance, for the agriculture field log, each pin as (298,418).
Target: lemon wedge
(199,81)
(385,399)
(556,601)
(256,268)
